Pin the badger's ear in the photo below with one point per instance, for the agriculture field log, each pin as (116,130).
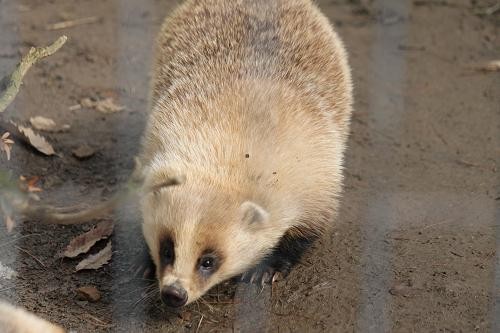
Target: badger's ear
(253,214)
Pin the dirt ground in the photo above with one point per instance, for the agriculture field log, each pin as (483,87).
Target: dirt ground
(415,246)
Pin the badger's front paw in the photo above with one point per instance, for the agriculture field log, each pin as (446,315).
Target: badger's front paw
(279,263)
(267,273)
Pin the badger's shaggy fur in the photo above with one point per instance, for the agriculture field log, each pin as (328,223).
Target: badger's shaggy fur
(16,320)
(250,109)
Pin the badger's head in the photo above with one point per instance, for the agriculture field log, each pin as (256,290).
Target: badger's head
(201,233)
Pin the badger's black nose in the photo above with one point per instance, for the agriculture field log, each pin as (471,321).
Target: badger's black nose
(174,296)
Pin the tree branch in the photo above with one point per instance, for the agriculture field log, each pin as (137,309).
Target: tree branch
(14,82)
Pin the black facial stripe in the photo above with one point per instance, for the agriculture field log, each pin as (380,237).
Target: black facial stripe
(167,252)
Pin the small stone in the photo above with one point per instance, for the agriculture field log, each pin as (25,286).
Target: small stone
(400,290)
(88,293)
(83,152)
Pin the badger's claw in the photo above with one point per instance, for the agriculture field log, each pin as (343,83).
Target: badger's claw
(245,276)
(276,277)
(265,278)
(265,275)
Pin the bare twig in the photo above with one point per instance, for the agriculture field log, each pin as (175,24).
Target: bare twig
(19,202)
(199,324)
(14,82)
(32,256)
(489,66)
(98,322)
(72,23)
(54,215)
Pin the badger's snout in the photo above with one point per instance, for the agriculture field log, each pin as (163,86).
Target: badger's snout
(174,296)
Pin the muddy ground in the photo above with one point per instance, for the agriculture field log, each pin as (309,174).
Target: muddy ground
(415,246)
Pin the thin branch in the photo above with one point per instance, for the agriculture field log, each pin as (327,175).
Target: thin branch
(32,256)
(54,215)
(72,23)
(13,200)
(18,202)
(14,82)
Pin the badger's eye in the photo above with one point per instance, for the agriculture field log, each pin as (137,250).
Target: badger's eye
(207,263)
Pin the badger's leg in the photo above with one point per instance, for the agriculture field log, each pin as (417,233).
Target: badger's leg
(287,254)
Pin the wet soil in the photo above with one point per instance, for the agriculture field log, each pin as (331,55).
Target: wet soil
(415,245)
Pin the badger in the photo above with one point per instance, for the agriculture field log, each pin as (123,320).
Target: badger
(242,154)
(17,320)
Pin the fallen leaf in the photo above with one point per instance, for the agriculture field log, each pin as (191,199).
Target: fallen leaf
(27,135)
(6,144)
(83,152)
(106,105)
(45,124)
(88,293)
(36,140)
(84,242)
(97,260)
(42,123)
(32,184)
(29,185)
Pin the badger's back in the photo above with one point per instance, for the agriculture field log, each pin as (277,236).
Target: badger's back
(253,97)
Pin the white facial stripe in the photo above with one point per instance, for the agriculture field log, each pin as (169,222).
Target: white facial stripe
(168,280)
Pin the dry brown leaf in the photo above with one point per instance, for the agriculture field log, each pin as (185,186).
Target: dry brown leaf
(32,184)
(84,242)
(42,123)
(36,140)
(46,124)
(6,144)
(97,260)
(29,185)
(27,135)
(106,105)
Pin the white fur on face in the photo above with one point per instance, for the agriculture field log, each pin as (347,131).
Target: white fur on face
(240,236)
